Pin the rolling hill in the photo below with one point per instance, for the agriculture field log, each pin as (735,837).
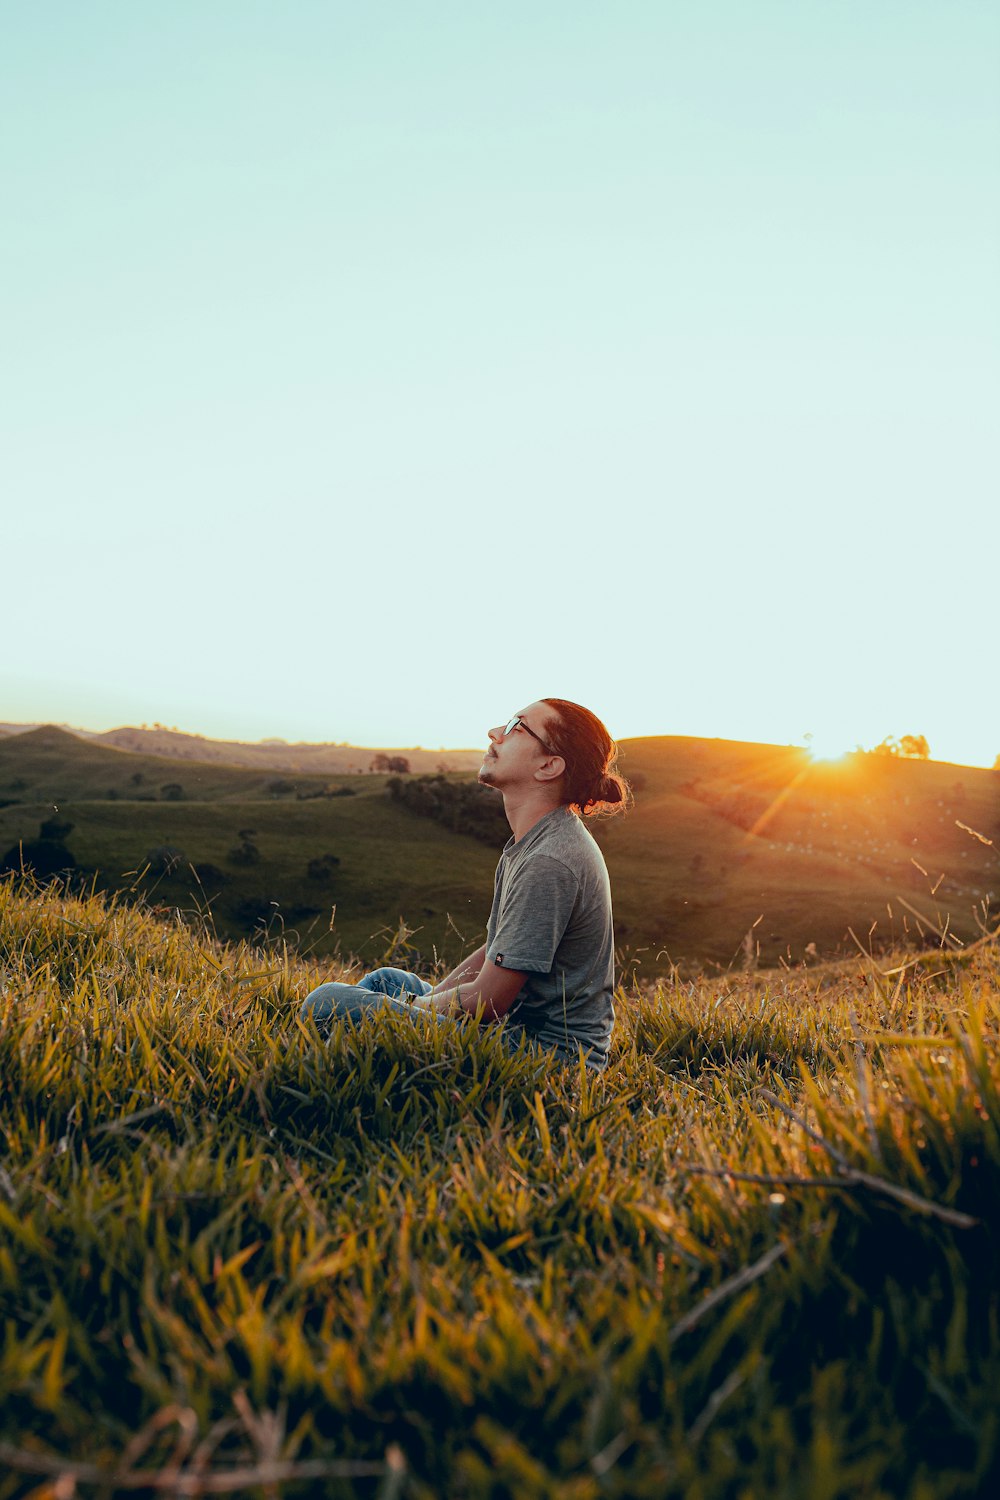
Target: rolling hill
(729,839)
(734,855)
(264,755)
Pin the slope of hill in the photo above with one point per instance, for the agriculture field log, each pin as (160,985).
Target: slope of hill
(728,839)
(260,851)
(733,855)
(277,755)
(54,765)
(307,759)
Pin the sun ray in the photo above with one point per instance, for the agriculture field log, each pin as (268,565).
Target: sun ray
(776,804)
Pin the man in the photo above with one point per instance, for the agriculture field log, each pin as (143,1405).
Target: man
(546,968)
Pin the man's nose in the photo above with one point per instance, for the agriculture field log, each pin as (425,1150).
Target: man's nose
(496,733)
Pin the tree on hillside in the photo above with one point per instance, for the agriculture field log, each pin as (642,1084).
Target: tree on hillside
(46,856)
(57,829)
(907,747)
(914,747)
(383,763)
(210,877)
(322,868)
(245,853)
(165,859)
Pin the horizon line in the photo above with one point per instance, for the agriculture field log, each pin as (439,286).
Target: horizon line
(278,742)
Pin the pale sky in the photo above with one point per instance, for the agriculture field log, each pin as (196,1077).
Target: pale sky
(372,370)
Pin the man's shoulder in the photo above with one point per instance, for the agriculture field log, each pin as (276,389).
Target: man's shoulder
(562,837)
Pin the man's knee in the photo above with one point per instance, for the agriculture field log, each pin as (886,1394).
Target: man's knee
(393,982)
(326,1000)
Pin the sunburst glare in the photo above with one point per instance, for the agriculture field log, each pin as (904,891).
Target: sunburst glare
(826,745)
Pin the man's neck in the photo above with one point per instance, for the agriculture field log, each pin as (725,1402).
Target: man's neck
(524,811)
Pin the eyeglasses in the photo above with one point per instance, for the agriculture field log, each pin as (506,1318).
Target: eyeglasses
(518,723)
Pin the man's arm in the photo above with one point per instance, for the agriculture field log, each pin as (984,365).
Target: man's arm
(469,969)
(493,990)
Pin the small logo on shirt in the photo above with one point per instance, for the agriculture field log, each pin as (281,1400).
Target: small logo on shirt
(499,960)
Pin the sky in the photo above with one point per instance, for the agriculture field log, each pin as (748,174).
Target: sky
(374,370)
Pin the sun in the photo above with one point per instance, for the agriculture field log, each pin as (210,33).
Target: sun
(825,746)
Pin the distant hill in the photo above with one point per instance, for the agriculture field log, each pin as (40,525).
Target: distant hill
(734,854)
(49,764)
(273,754)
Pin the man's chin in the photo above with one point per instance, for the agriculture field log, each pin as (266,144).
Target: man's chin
(486,775)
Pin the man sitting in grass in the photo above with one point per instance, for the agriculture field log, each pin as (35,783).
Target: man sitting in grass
(546,969)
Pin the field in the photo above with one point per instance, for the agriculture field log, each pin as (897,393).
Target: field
(733,854)
(758,1257)
(392,868)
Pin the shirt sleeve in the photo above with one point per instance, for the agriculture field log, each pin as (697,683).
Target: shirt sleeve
(537,903)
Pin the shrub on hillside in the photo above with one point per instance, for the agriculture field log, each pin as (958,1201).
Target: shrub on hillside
(255,912)
(463,806)
(246,851)
(57,829)
(165,859)
(326,791)
(46,856)
(244,854)
(322,868)
(47,859)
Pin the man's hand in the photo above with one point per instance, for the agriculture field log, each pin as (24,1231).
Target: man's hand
(492,990)
(469,969)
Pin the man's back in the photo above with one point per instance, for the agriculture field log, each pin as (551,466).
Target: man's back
(551,918)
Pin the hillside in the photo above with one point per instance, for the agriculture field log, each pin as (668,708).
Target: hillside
(52,765)
(239,845)
(757,1257)
(265,755)
(725,839)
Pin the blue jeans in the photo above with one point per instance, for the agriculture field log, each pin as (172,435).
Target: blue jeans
(382,988)
(377,990)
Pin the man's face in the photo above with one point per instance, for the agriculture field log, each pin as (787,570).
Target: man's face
(514,758)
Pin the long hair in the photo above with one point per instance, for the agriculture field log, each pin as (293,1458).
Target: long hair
(592,785)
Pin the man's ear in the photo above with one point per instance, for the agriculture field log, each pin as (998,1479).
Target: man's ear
(551,769)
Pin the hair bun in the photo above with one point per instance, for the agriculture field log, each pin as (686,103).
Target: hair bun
(591,785)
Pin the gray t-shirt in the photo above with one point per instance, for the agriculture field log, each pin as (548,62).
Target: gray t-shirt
(551,917)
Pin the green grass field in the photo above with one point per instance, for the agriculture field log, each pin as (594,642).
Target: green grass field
(757,1257)
(394,868)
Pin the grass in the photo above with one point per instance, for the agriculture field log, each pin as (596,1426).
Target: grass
(757,1257)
